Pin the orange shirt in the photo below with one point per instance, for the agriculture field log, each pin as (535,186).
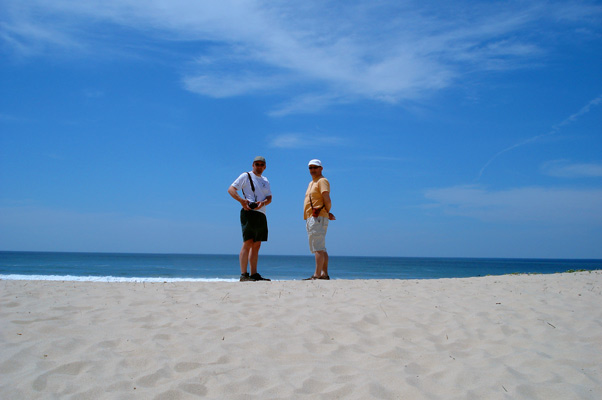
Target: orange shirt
(316,188)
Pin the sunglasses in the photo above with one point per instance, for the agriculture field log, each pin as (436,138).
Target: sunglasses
(260,164)
(314,167)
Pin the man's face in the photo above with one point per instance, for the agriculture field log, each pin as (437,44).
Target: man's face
(258,167)
(315,171)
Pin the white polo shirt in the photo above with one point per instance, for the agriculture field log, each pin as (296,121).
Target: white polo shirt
(262,188)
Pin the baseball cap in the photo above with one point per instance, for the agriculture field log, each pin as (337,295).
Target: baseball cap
(259,158)
(316,162)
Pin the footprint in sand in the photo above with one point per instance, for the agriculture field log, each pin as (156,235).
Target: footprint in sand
(152,379)
(193,388)
(186,366)
(73,368)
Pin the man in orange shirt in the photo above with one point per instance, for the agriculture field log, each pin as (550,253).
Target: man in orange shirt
(316,212)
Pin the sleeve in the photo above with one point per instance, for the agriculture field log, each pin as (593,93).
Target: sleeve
(240,181)
(268,191)
(324,185)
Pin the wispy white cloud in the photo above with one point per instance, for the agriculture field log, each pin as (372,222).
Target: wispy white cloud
(308,104)
(315,53)
(574,117)
(223,85)
(27,38)
(553,206)
(288,141)
(383,158)
(587,108)
(93,93)
(566,169)
(299,140)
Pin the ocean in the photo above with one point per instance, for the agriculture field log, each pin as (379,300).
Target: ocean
(117,267)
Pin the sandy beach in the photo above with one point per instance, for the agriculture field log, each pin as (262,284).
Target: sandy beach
(496,337)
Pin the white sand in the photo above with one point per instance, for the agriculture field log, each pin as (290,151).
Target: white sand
(508,337)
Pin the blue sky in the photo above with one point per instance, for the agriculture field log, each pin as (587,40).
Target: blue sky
(460,129)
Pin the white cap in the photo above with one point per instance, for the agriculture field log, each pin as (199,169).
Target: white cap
(316,162)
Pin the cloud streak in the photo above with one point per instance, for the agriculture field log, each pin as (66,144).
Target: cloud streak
(297,141)
(554,206)
(391,52)
(573,118)
(564,169)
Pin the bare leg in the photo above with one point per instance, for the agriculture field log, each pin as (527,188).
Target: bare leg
(244,255)
(254,256)
(321,264)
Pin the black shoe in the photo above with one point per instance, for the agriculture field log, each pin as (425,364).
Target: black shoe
(245,277)
(257,277)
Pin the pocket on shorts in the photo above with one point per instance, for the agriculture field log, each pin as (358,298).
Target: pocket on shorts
(317,225)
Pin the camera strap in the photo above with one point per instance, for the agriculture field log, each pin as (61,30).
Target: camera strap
(311,202)
(252,187)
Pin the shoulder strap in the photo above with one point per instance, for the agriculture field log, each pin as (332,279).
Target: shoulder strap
(310,201)
(252,187)
(251,180)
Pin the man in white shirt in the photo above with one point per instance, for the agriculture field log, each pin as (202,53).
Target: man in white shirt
(256,195)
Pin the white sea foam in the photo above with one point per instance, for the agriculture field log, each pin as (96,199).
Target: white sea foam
(71,278)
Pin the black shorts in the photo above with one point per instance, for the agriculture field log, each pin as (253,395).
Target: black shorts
(254,226)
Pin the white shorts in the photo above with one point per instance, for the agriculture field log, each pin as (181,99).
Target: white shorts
(316,232)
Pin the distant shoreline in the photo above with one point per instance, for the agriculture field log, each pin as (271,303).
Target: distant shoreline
(112,279)
(126,253)
(150,267)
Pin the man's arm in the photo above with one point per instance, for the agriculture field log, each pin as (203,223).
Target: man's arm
(328,204)
(265,202)
(234,193)
(327,201)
